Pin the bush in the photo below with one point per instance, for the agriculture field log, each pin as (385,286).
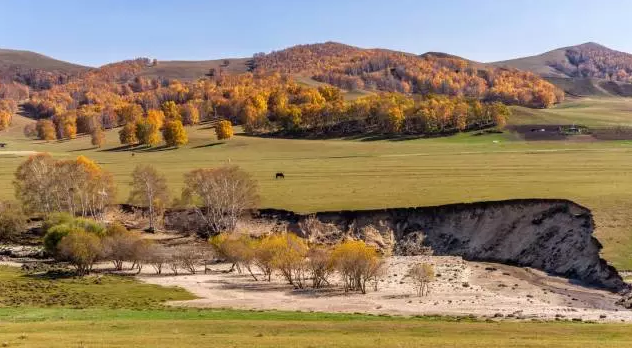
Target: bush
(238,250)
(81,249)
(357,263)
(12,221)
(120,245)
(289,258)
(60,225)
(320,265)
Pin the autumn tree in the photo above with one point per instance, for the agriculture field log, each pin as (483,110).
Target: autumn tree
(357,263)
(320,265)
(5,119)
(156,117)
(97,137)
(174,134)
(150,189)
(171,111)
(190,114)
(147,133)
(422,275)
(220,196)
(224,130)
(127,134)
(45,130)
(129,113)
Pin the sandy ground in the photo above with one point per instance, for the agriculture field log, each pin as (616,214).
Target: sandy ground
(462,288)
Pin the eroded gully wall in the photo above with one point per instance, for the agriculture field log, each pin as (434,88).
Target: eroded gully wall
(555,236)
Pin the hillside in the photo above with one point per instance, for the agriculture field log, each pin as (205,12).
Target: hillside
(185,70)
(10,59)
(354,68)
(588,69)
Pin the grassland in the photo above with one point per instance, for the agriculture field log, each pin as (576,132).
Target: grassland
(241,329)
(362,174)
(120,312)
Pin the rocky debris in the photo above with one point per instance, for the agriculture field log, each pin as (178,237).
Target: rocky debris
(626,300)
(22,251)
(412,244)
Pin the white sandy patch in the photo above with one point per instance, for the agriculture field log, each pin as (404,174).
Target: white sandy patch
(462,288)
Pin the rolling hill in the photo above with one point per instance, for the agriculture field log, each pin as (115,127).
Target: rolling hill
(187,70)
(12,59)
(589,69)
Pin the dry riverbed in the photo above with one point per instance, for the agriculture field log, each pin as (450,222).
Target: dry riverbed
(461,288)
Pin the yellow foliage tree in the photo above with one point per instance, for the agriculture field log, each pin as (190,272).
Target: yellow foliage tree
(224,130)
(45,130)
(127,134)
(156,117)
(147,133)
(97,137)
(5,119)
(174,134)
(357,263)
(172,113)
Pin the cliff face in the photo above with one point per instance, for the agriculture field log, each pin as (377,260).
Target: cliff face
(551,235)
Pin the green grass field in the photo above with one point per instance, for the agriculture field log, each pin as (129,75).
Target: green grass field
(38,311)
(355,174)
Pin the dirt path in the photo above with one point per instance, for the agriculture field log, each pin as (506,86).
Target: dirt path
(461,288)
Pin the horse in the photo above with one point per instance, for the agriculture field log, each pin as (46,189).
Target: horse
(279,175)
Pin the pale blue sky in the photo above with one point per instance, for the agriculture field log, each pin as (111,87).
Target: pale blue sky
(95,32)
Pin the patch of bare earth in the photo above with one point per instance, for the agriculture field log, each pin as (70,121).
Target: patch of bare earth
(461,288)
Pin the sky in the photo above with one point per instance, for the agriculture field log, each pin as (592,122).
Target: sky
(96,32)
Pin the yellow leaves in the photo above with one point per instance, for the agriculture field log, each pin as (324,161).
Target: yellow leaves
(172,113)
(156,117)
(224,130)
(174,134)
(5,119)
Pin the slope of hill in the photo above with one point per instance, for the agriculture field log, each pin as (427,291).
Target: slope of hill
(354,68)
(191,70)
(10,59)
(586,69)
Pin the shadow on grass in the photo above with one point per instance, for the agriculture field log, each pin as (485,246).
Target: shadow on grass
(85,149)
(122,148)
(208,145)
(157,149)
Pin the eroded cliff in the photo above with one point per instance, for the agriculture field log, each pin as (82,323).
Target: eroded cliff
(555,236)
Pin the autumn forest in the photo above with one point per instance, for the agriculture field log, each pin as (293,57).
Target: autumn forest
(402,94)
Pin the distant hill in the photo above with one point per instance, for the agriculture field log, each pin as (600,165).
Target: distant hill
(36,70)
(11,59)
(586,69)
(186,70)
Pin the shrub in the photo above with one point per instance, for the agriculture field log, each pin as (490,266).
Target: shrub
(157,256)
(422,275)
(224,130)
(289,258)
(238,250)
(119,245)
(320,265)
(357,263)
(12,221)
(60,225)
(81,249)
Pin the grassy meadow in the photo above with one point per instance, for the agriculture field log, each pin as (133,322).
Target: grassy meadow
(362,173)
(118,311)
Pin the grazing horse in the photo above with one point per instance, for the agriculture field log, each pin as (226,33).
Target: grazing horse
(279,175)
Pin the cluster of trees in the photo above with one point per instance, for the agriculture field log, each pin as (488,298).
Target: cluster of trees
(353,68)
(47,185)
(83,242)
(219,196)
(298,263)
(596,62)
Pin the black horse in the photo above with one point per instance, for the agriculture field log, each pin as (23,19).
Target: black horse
(279,175)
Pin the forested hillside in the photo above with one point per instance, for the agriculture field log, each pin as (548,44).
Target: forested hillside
(429,94)
(351,68)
